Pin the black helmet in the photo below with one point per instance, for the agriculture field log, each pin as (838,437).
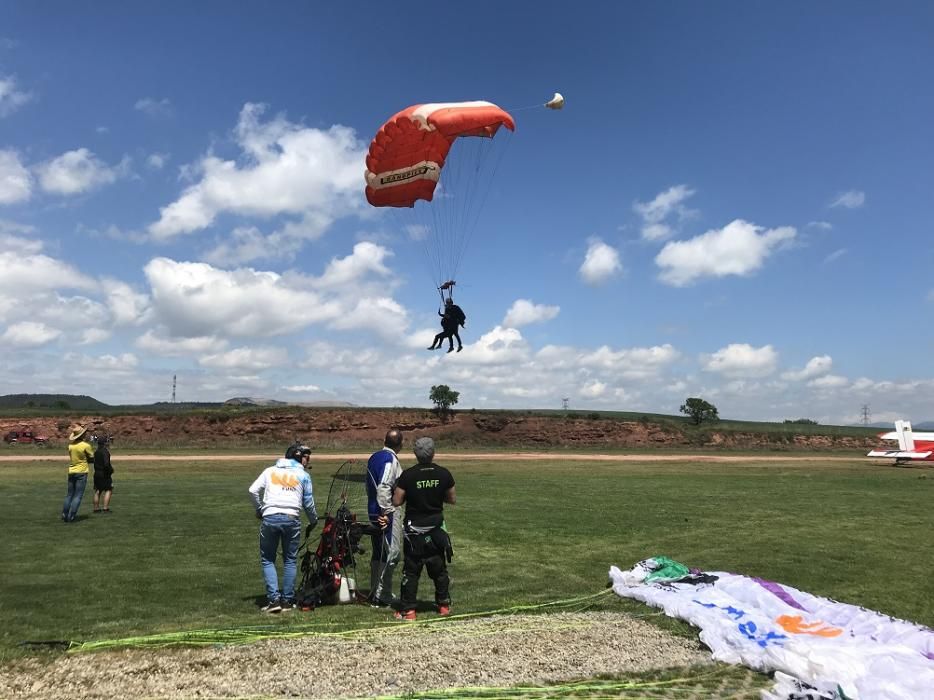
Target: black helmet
(297,450)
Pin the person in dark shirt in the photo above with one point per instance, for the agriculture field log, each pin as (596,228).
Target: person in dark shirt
(424,489)
(452,318)
(103,475)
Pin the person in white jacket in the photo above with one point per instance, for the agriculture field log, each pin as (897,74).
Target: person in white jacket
(383,469)
(279,495)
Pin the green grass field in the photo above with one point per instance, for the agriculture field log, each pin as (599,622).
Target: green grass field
(180,550)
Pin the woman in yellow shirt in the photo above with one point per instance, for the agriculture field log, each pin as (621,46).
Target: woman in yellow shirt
(79,453)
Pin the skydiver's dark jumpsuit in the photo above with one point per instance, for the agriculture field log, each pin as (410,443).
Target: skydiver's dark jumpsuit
(451,319)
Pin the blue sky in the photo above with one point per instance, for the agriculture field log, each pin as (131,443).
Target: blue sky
(735,203)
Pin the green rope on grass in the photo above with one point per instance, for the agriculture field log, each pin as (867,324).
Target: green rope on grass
(587,688)
(254,633)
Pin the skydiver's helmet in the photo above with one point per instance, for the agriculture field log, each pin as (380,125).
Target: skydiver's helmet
(448,301)
(297,451)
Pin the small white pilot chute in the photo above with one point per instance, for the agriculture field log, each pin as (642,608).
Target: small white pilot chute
(556,102)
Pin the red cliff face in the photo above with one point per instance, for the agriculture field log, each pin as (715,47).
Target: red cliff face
(347,427)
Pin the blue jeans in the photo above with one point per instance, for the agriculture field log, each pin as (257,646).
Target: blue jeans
(76,486)
(286,529)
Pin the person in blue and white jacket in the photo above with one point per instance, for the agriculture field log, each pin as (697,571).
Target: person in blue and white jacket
(383,469)
(279,495)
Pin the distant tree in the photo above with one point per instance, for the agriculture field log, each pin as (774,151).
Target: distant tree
(443,398)
(802,421)
(62,404)
(699,410)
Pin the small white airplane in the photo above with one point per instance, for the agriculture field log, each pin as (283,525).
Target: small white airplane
(911,446)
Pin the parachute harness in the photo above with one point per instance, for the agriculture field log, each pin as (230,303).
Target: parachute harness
(449,288)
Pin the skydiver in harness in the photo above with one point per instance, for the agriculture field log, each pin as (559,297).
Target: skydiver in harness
(452,318)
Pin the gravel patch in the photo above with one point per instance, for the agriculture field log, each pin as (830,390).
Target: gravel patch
(408,658)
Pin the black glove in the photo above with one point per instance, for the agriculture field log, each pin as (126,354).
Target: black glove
(259,513)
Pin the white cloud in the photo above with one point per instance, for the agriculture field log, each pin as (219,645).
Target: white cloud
(247,359)
(29,334)
(524,311)
(836,255)
(381,315)
(656,232)
(78,171)
(829,381)
(15,180)
(196,299)
(124,363)
(152,342)
(664,205)
(740,248)
(741,360)
(157,161)
(593,389)
(117,363)
(11,230)
(89,336)
(600,263)
(11,98)
(75,314)
(246,244)
(366,260)
(285,169)
(629,363)
(822,225)
(27,272)
(527,393)
(303,388)
(496,347)
(417,232)
(127,306)
(152,107)
(815,367)
(852,199)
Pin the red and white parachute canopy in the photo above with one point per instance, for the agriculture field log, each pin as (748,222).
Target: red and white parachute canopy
(409,151)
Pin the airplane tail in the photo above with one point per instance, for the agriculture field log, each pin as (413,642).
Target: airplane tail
(906,441)
(907,449)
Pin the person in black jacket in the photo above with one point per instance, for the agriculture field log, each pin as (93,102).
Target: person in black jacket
(424,489)
(103,475)
(452,318)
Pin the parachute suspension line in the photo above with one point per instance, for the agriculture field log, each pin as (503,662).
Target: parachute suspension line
(466,183)
(254,633)
(487,161)
(511,110)
(420,228)
(488,186)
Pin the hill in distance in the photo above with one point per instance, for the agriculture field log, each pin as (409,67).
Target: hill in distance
(75,402)
(250,401)
(66,401)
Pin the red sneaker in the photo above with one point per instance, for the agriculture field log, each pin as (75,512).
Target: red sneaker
(405,616)
(444,610)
